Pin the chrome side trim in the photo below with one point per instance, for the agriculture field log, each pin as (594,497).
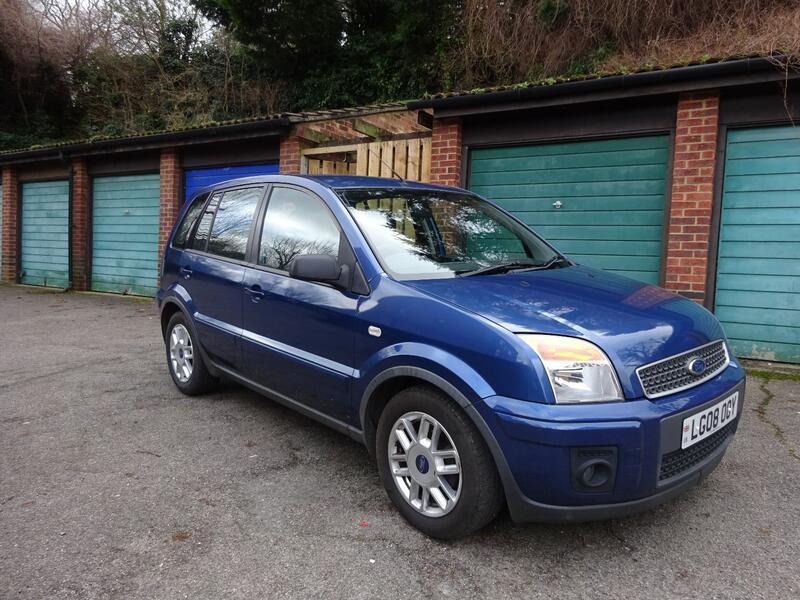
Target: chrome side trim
(313,359)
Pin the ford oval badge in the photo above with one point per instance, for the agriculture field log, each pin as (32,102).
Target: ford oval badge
(696,366)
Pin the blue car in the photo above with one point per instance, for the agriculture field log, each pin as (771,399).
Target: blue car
(480,367)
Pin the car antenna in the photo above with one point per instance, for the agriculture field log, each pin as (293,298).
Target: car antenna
(385,164)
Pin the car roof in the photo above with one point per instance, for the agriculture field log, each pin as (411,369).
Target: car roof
(334,182)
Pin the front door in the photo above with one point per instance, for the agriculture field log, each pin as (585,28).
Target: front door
(298,335)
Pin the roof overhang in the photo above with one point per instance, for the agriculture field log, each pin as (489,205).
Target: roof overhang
(613,87)
(173,139)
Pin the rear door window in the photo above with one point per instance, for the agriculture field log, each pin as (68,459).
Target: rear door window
(232,223)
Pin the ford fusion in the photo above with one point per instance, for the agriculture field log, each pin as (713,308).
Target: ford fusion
(480,367)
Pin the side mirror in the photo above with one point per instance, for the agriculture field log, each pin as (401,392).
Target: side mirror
(315,267)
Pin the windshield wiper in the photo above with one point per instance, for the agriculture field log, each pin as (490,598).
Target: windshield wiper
(516,265)
(543,267)
(498,268)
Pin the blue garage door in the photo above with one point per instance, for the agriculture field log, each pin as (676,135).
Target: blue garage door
(197,179)
(125,234)
(45,233)
(758,271)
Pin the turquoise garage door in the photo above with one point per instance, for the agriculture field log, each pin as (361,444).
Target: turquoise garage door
(600,202)
(45,234)
(125,214)
(757,295)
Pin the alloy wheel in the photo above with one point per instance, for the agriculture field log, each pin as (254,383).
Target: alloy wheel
(181,353)
(425,464)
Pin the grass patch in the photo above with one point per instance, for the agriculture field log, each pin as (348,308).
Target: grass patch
(772,375)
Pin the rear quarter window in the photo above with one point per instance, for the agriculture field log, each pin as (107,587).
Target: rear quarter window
(189,219)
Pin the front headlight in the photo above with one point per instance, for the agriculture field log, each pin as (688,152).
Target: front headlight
(578,370)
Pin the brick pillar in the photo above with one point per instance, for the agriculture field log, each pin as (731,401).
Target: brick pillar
(446,152)
(79,240)
(692,193)
(170,197)
(8,272)
(290,155)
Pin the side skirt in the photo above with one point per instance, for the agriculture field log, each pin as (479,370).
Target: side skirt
(340,426)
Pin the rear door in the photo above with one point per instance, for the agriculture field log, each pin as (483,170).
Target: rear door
(298,335)
(212,270)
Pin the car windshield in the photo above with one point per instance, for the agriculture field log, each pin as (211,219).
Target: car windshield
(427,234)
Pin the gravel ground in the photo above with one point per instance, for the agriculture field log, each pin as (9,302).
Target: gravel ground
(114,485)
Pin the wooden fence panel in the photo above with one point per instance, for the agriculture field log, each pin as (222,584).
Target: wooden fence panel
(407,158)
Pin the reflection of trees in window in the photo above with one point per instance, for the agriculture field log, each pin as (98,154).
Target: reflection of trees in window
(204,227)
(296,223)
(189,219)
(232,224)
(438,228)
(278,252)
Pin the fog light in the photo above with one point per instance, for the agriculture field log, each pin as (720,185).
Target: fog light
(594,469)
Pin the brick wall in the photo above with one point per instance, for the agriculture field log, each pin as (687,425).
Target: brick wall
(290,155)
(79,239)
(170,196)
(446,152)
(692,193)
(8,272)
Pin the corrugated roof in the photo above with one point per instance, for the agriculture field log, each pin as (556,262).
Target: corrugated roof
(288,117)
(325,114)
(550,81)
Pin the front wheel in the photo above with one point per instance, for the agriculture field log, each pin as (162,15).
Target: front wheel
(184,360)
(435,466)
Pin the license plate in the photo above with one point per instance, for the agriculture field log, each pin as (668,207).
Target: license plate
(701,425)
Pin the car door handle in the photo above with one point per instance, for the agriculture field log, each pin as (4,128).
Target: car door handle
(186,272)
(255,292)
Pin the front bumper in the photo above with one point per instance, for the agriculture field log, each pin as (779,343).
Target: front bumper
(536,444)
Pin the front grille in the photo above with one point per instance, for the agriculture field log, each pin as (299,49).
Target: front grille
(672,375)
(676,462)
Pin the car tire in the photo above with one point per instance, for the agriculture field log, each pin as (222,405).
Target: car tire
(477,487)
(184,359)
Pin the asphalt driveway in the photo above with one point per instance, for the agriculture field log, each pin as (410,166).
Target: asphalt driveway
(114,485)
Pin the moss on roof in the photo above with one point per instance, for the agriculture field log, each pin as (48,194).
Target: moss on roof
(338,113)
(292,117)
(622,70)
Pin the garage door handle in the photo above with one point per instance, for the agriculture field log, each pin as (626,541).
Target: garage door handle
(186,272)
(255,293)
(557,204)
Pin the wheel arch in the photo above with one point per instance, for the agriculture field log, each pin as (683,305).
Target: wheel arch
(172,306)
(168,309)
(391,381)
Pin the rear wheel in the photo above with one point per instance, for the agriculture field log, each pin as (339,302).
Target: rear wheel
(435,465)
(184,360)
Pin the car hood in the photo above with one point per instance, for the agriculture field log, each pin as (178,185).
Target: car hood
(634,323)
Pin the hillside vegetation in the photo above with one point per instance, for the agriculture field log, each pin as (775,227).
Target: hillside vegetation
(88,68)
